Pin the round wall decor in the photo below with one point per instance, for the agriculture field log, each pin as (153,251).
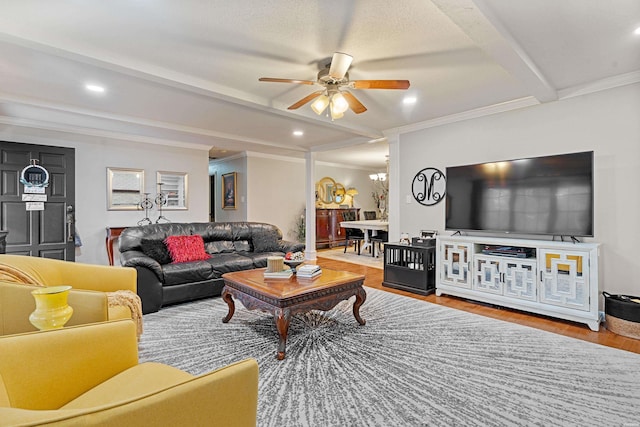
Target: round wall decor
(429,186)
(34,176)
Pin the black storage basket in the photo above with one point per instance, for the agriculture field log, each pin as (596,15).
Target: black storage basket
(622,314)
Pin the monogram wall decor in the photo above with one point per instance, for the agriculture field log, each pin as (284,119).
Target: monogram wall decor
(429,186)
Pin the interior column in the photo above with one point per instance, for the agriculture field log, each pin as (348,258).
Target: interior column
(310,220)
(393,205)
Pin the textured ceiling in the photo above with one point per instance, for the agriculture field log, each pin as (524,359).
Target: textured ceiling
(187,72)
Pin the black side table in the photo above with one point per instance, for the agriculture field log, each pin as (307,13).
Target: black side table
(410,268)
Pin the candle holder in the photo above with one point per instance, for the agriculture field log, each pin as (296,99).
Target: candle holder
(161,200)
(146,203)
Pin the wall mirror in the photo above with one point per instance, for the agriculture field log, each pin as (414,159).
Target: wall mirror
(339,193)
(173,185)
(330,193)
(125,188)
(325,189)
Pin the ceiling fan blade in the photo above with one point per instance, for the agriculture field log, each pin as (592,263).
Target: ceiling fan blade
(340,64)
(276,80)
(305,100)
(380,84)
(355,105)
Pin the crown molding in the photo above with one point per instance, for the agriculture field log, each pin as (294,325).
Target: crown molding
(468,115)
(585,89)
(113,120)
(228,158)
(600,85)
(119,136)
(280,157)
(255,154)
(342,144)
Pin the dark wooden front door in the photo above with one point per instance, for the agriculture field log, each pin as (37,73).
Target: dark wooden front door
(45,233)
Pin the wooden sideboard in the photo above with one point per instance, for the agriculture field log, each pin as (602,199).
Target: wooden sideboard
(328,231)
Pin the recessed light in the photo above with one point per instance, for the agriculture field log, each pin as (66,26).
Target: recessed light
(298,133)
(409,100)
(637,31)
(94,88)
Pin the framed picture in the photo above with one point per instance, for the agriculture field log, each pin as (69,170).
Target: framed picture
(174,187)
(229,190)
(125,188)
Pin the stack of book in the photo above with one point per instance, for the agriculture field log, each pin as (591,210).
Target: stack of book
(309,271)
(284,274)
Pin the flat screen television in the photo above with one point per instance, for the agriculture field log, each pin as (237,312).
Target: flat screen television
(551,195)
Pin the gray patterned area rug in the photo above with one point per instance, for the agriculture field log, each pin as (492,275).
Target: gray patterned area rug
(412,364)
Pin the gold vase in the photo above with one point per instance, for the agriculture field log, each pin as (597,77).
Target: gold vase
(52,310)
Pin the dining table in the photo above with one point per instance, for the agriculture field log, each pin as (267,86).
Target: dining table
(367,225)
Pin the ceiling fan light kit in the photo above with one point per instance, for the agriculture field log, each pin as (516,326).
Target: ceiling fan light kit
(338,103)
(336,115)
(320,104)
(333,78)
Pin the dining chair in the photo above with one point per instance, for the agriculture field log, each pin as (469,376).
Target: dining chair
(369,214)
(377,241)
(354,235)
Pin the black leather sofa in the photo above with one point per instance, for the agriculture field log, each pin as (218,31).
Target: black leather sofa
(233,246)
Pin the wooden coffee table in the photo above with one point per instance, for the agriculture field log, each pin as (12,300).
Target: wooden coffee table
(286,297)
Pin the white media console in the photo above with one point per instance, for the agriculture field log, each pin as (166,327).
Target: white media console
(558,279)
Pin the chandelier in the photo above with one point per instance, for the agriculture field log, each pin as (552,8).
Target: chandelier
(381,190)
(381,176)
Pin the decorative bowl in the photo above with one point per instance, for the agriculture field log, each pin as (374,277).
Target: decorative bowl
(293,264)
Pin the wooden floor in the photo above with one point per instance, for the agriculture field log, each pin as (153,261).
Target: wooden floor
(374,277)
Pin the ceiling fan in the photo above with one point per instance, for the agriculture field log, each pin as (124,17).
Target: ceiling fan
(334,79)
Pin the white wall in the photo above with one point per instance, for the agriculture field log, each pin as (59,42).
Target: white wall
(94,155)
(351,177)
(276,191)
(237,164)
(606,122)
(271,188)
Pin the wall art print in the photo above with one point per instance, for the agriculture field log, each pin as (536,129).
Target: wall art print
(229,190)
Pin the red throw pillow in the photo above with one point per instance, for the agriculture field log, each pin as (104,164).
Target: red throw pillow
(186,248)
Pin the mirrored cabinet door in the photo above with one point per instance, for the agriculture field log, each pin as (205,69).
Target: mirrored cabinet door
(125,188)
(173,185)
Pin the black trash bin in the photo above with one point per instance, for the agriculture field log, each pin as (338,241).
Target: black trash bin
(622,314)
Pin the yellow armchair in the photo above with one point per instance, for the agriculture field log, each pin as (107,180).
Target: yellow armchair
(17,303)
(89,375)
(118,282)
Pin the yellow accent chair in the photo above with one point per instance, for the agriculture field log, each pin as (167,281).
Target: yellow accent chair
(119,283)
(90,375)
(17,303)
